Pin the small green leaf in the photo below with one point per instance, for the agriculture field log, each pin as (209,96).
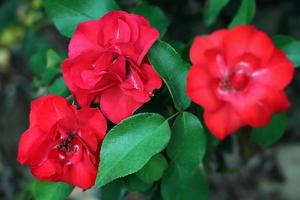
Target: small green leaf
(113,190)
(245,14)
(154,169)
(67,14)
(49,75)
(52,67)
(155,15)
(290,46)
(188,143)
(53,59)
(271,133)
(38,63)
(51,190)
(179,184)
(130,145)
(212,10)
(173,70)
(134,184)
(59,87)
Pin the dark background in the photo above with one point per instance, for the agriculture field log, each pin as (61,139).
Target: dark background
(272,173)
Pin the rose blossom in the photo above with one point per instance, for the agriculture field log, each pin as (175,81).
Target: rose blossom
(107,64)
(238,76)
(62,143)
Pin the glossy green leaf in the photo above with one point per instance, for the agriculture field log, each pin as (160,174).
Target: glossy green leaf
(245,14)
(173,70)
(180,47)
(67,14)
(130,145)
(179,184)
(59,87)
(113,190)
(212,10)
(155,15)
(290,46)
(154,169)
(134,184)
(272,132)
(42,190)
(188,143)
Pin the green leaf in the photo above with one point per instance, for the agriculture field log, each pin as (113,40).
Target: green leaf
(49,75)
(51,190)
(59,87)
(112,191)
(52,67)
(173,70)
(38,63)
(212,10)
(179,184)
(134,184)
(178,46)
(154,169)
(130,145)
(53,59)
(155,15)
(245,14)
(67,14)
(271,133)
(290,46)
(188,143)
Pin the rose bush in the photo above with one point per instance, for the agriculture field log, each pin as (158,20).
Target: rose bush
(239,77)
(62,143)
(107,64)
(232,80)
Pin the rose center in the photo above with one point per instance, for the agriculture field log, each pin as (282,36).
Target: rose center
(237,81)
(66,144)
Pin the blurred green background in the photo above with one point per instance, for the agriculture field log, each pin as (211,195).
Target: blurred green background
(272,173)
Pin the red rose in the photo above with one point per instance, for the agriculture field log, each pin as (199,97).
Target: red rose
(107,64)
(238,76)
(62,143)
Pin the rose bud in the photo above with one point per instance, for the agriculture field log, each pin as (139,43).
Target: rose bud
(62,143)
(107,64)
(238,76)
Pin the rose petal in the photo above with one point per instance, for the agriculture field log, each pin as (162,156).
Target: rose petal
(203,43)
(33,147)
(117,106)
(85,38)
(82,174)
(278,73)
(223,122)
(47,110)
(202,88)
(92,118)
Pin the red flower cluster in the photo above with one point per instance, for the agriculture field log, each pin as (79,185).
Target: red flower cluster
(238,76)
(62,143)
(107,64)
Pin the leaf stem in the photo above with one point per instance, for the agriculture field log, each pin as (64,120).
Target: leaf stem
(174,115)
